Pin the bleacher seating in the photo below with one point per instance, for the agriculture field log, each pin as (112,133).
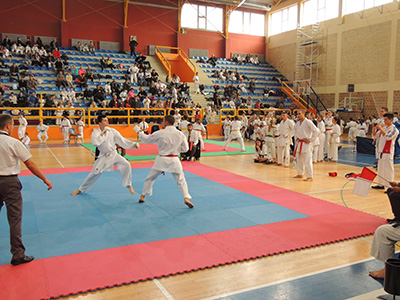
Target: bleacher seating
(262,75)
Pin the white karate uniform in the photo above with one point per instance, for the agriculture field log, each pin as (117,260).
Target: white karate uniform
(362,130)
(269,139)
(227,128)
(183,127)
(23,123)
(169,141)
(177,118)
(315,145)
(303,151)
(328,131)
(196,81)
(81,125)
(352,126)
(144,126)
(26,141)
(321,137)
(334,142)
(286,132)
(260,154)
(65,126)
(42,132)
(200,129)
(385,162)
(106,144)
(235,134)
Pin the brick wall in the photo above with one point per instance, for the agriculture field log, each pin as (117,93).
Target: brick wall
(373,101)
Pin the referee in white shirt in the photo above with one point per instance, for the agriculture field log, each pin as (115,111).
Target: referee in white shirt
(11,152)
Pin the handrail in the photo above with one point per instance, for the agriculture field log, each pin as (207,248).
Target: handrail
(265,110)
(299,98)
(163,59)
(187,60)
(171,110)
(128,114)
(223,116)
(40,110)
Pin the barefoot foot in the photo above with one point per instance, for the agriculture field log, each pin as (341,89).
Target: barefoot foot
(308,179)
(130,188)
(298,176)
(378,274)
(188,203)
(74,193)
(141,200)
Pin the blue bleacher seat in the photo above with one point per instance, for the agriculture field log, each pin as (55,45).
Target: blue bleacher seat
(78,89)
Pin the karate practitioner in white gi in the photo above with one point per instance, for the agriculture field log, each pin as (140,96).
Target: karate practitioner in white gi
(42,132)
(105,139)
(321,127)
(305,133)
(236,125)
(198,127)
(285,132)
(352,126)
(23,123)
(64,127)
(334,141)
(385,136)
(81,125)
(171,143)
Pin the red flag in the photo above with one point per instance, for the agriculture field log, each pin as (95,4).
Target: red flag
(368,174)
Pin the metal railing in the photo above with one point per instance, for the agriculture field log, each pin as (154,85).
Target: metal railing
(163,59)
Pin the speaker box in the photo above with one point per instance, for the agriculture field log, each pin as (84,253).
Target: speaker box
(350,88)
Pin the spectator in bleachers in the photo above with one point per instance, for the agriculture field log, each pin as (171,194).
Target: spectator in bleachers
(7,42)
(109,63)
(212,60)
(98,94)
(60,80)
(32,100)
(132,45)
(69,78)
(103,63)
(115,87)
(81,81)
(72,95)
(85,48)
(81,71)
(87,95)
(14,48)
(140,77)
(28,58)
(154,75)
(252,86)
(58,66)
(107,88)
(39,42)
(22,101)
(22,85)
(168,104)
(36,60)
(32,83)
(90,74)
(184,89)
(132,71)
(53,44)
(13,99)
(147,77)
(176,80)
(74,71)
(56,53)
(161,88)
(20,50)
(126,86)
(242,87)
(279,103)
(64,95)
(14,72)
(92,49)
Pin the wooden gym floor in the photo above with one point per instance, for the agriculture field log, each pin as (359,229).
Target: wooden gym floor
(218,281)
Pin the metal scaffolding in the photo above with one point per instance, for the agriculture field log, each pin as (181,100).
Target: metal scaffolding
(309,42)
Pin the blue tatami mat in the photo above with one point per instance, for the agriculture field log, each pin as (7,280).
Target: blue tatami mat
(338,284)
(347,157)
(55,223)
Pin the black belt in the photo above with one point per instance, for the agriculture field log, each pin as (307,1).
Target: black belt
(2,176)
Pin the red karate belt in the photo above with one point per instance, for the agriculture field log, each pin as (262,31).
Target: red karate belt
(297,144)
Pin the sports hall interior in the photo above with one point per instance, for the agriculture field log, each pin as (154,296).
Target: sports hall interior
(358,44)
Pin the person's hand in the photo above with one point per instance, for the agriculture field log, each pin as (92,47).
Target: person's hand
(378,127)
(307,141)
(48,183)
(396,189)
(392,183)
(137,145)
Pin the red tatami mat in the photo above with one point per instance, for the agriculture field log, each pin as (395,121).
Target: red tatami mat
(72,274)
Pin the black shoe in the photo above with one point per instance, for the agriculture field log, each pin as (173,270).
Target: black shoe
(23,260)
(378,187)
(390,221)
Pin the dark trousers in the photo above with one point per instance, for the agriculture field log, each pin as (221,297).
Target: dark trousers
(394,198)
(194,151)
(10,195)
